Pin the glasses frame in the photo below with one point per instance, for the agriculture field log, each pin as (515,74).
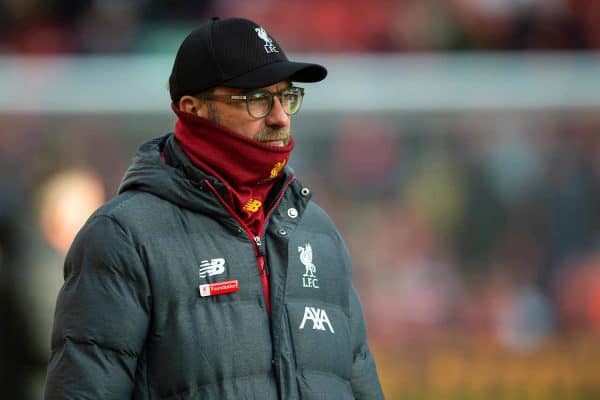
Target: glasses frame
(236,98)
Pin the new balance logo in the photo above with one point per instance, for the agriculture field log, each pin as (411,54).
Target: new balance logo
(318,317)
(252,205)
(212,267)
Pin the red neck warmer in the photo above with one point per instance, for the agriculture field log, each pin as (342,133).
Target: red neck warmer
(247,168)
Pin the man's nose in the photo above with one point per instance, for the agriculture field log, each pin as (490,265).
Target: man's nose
(277,117)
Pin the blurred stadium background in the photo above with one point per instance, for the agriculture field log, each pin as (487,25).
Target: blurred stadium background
(455,143)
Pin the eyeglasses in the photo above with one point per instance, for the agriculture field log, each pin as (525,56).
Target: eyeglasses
(259,103)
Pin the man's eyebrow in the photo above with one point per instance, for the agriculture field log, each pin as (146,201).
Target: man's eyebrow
(287,85)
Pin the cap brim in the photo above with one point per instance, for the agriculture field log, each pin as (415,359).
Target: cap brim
(276,72)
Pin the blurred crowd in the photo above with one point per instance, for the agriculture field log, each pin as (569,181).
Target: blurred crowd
(486,224)
(116,26)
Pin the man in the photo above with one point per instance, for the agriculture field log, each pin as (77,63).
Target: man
(212,275)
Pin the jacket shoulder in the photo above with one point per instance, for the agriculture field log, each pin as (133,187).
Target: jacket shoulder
(317,218)
(129,202)
(132,208)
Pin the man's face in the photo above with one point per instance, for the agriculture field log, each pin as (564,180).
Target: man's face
(273,129)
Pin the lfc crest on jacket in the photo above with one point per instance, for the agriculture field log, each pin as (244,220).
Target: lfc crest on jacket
(309,278)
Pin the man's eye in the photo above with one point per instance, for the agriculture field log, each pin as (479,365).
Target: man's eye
(290,95)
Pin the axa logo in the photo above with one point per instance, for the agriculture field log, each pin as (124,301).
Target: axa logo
(212,267)
(318,317)
(269,45)
(309,279)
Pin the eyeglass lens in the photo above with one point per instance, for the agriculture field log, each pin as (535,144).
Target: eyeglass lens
(261,103)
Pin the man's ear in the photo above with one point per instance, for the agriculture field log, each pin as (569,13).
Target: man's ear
(193,105)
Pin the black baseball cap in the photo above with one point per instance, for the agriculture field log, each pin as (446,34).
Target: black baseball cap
(236,53)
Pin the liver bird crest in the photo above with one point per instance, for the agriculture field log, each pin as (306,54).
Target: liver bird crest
(263,35)
(306,259)
(269,45)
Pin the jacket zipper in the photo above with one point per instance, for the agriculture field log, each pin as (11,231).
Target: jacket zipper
(277,201)
(262,269)
(262,264)
(256,240)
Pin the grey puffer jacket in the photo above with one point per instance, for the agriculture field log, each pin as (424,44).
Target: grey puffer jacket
(131,323)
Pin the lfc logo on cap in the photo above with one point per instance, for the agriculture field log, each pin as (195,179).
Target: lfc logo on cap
(269,45)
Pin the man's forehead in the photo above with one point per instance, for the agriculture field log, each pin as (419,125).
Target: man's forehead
(271,88)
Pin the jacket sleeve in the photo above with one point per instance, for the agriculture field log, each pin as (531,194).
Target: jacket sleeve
(365,381)
(102,316)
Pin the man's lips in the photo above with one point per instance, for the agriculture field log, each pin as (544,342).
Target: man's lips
(275,141)
(278,143)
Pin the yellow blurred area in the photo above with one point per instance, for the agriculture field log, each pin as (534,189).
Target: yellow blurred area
(463,367)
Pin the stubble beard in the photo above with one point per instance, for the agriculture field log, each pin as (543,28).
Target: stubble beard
(268,134)
(213,114)
(264,135)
